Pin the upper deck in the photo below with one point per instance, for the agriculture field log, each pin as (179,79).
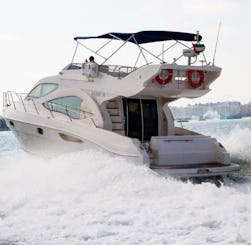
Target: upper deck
(159,80)
(152,73)
(154,78)
(118,71)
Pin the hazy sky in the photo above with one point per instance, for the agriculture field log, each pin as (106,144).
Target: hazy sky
(36,37)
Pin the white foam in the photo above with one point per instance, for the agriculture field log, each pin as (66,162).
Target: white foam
(92,198)
(238,142)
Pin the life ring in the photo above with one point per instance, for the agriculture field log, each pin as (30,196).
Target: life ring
(168,78)
(192,83)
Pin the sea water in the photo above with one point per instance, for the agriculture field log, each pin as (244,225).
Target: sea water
(91,198)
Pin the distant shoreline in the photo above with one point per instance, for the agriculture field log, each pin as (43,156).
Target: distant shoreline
(217,110)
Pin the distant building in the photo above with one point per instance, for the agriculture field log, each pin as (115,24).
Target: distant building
(225,110)
(229,110)
(246,110)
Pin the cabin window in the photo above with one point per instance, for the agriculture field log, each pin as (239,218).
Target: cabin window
(72,106)
(41,90)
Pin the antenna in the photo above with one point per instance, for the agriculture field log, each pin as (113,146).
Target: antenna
(163,48)
(216,42)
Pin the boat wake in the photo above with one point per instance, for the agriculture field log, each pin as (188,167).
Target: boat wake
(236,140)
(90,197)
(238,143)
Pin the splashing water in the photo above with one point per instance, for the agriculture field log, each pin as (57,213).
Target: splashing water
(235,135)
(238,142)
(92,198)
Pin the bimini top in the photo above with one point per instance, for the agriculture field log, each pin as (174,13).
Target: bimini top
(147,36)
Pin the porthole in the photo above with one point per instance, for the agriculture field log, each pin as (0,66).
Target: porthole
(12,124)
(40,131)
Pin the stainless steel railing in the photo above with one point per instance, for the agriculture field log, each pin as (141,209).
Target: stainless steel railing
(114,70)
(70,111)
(10,99)
(13,100)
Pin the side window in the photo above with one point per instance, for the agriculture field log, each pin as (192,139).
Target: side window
(72,106)
(41,90)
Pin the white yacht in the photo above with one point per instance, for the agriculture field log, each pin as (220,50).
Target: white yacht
(124,110)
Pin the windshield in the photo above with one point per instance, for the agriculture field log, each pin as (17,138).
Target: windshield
(41,90)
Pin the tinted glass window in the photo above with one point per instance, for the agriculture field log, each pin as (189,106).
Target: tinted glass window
(141,118)
(134,120)
(72,106)
(41,90)
(150,118)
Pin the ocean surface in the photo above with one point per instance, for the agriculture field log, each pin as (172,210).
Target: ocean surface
(91,198)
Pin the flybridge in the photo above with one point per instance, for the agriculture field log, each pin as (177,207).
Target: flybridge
(144,37)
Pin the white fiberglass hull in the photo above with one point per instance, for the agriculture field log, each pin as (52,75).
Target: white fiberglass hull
(49,142)
(48,137)
(46,141)
(166,155)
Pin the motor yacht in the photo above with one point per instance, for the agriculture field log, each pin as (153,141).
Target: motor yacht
(124,110)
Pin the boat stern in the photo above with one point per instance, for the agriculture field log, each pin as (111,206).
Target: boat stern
(190,156)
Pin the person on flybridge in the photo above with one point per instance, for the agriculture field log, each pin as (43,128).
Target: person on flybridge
(90,69)
(91,59)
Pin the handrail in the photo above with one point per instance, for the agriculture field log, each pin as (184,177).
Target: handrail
(23,103)
(4,99)
(104,68)
(13,101)
(8,99)
(35,106)
(70,111)
(67,112)
(56,107)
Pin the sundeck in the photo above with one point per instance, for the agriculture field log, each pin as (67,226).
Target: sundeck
(121,109)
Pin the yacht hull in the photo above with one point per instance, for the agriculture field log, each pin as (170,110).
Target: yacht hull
(49,137)
(45,141)
(42,140)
